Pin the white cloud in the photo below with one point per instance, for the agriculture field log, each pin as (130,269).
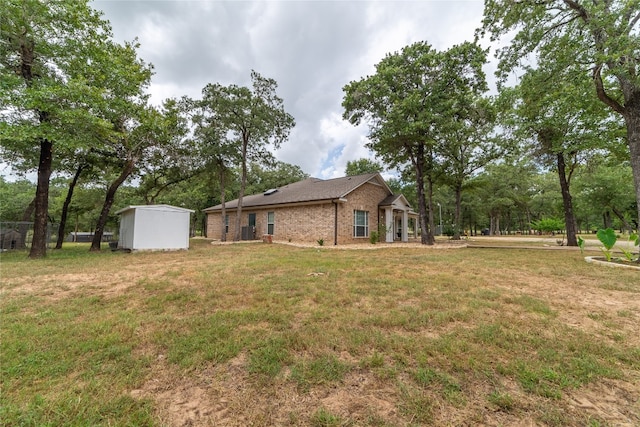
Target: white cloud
(311,48)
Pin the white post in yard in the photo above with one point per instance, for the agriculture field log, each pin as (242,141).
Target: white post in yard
(388,219)
(405,226)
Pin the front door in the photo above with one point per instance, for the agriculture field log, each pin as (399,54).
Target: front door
(398,235)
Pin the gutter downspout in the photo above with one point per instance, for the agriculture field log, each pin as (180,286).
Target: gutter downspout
(335,220)
(335,223)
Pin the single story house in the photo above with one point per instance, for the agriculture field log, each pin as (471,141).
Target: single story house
(338,211)
(154,227)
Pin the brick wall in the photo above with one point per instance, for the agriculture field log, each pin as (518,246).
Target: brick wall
(309,223)
(365,198)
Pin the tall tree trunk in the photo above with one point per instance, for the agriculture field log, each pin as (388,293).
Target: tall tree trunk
(606,219)
(456,218)
(569,216)
(632,120)
(39,241)
(41,205)
(494,223)
(65,205)
(108,202)
(223,231)
(418,165)
(631,114)
(243,184)
(27,216)
(432,221)
(623,220)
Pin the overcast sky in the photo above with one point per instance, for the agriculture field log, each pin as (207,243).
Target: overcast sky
(311,48)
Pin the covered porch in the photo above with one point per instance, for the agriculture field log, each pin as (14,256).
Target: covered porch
(399,220)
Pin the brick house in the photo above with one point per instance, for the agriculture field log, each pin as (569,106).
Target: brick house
(338,211)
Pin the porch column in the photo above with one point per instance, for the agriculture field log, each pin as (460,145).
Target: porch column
(405,226)
(388,222)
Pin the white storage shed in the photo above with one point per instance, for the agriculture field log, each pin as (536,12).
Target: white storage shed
(154,227)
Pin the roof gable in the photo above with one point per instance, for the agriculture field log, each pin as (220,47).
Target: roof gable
(395,200)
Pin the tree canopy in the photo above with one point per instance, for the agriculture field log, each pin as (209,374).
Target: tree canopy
(253,118)
(409,105)
(601,38)
(60,72)
(363,165)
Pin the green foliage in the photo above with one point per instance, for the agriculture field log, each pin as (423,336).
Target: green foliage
(417,405)
(248,121)
(320,242)
(379,235)
(324,418)
(262,177)
(412,103)
(502,400)
(269,357)
(449,386)
(362,166)
(548,225)
(605,186)
(448,231)
(607,237)
(576,36)
(68,89)
(61,72)
(203,339)
(382,231)
(320,370)
(507,190)
(173,159)
(635,241)
(15,197)
(539,114)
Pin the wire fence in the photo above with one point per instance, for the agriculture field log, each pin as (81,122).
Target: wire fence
(18,235)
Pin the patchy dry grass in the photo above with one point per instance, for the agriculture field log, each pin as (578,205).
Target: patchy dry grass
(255,334)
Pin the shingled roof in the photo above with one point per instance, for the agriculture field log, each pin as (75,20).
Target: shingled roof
(306,191)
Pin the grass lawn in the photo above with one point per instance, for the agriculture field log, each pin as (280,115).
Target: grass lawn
(262,335)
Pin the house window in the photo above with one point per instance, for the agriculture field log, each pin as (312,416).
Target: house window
(226,223)
(271,216)
(360,224)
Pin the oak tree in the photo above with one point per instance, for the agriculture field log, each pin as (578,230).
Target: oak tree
(601,37)
(254,118)
(409,104)
(49,86)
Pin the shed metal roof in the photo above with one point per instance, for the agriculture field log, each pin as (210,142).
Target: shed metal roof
(155,208)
